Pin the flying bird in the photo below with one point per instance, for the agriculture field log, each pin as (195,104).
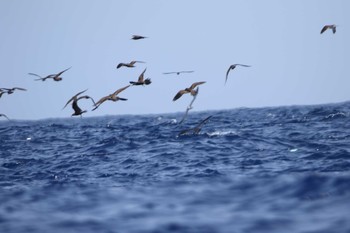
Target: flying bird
(189,107)
(179,72)
(138,37)
(3,115)
(141,80)
(113,97)
(187,90)
(195,130)
(10,90)
(333,27)
(233,67)
(75,99)
(130,64)
(56,77)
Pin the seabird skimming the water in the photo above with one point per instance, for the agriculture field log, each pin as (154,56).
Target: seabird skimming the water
(74,100)
(196,129)
(130,64)
(138,37)
(179,72)
(3,115)
(187,90)
(333,27)
(141,80)
(233,67)
(113,97)
(55,77)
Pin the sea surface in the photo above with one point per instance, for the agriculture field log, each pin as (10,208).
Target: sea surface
(276,169)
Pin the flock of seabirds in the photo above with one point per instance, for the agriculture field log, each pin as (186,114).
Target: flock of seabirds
(192,90)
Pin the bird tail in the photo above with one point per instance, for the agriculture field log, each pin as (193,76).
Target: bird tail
(123,99)
(148,81)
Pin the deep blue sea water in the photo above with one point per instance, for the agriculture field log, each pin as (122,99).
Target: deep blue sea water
(281,169)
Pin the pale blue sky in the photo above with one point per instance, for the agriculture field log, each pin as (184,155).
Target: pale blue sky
(292,64)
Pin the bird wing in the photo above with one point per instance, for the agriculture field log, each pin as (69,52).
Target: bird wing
(86,97)
(170,72)
(228,71)
(140,80)
(189,106)
(242,65)
(35,75)
(324,29)
(179,94)
(4,116)
(19,88)
(186,71)
(101,101)
(334,29)
(120,90)
(57,75)
(196,84)
(74,97)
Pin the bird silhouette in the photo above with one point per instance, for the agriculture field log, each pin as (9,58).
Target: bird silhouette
(113,97)
(233,67)
(3,115)
(326,27)
(74,100)
(130,64)
(9,91)
(141,80)
(179,72)
(196,129)
(56,77)
(187,90)
(138,37)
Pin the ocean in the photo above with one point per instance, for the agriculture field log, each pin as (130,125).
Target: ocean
(274,169)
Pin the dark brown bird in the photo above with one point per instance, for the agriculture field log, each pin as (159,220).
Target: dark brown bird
(74,100)
(113,97)
(10,90)
(179,72)
(188,90)
(333,27)
(141,80)
(55,77)
(130,64)
(195,130)
(3,115)
(233,67)
(137,37)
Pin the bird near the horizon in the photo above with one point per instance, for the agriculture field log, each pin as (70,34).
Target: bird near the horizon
(331,26)
(138,37)
(179,72)
(233,67)
(189,107)
(195,130)
(129,65)
(3,115)
(56,77)
(113,97)
(141,80)
(188,90)
(9,91)
(75,99)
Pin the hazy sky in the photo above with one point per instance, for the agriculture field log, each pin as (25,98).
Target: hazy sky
(292,64)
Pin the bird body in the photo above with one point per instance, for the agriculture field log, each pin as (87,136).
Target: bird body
(9,91)
(141,80)
(187,90)
(113,97)
(137,37)
(195,130)
(233,67)
(56,77)
(326,27)
(74,100)
(179,72)
(129,65)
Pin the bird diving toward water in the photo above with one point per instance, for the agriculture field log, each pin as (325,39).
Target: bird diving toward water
(233,67)
(326,27)
(113,97)
(179,72)
(141,80)
(74,100)
(130,64)
(9,91)
(3,115)
(56,77)
(187,90)
(195,130)
(189,107)
(138,37)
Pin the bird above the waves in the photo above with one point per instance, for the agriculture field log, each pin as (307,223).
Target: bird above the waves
(141,80)
(75,99)
(56,77)
(138,37)
(189,107)
(3,115)
(188,90)
(233,67)
(179,72)
(326,27)
(10,90)
(196,129)
(113,97)
(130,64)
